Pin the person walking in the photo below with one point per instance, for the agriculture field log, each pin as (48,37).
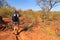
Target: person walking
(15,20)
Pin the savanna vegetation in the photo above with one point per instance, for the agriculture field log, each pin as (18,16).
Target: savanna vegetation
(34,25)
(33,19)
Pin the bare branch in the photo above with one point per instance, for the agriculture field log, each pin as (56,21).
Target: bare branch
(47,5)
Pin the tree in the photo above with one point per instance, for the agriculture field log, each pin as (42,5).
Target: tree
(46,6)
(4,3)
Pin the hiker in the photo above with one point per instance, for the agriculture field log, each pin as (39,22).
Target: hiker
(15,19)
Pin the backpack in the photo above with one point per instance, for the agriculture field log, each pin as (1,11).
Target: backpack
(15,17)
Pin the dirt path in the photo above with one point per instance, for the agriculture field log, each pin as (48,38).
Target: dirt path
(39,32)
(35,34)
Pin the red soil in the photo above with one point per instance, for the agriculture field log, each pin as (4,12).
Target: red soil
(39,32)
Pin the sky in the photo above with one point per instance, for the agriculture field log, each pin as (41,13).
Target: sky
(28,4)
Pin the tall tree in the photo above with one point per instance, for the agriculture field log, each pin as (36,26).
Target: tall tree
(46,6)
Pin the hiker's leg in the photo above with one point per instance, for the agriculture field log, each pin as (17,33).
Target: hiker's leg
(14,23)
(15,31)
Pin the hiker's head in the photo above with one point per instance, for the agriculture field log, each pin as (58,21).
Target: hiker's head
(16,11)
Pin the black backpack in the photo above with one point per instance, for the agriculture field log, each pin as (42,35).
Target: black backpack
(15,18)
